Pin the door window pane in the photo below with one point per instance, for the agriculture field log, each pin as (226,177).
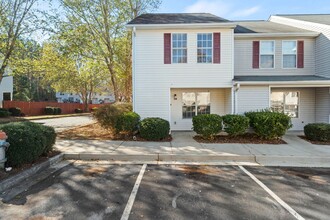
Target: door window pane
(188,104)
(286,102)
(203,103)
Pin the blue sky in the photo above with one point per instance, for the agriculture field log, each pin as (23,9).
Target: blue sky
(246,9)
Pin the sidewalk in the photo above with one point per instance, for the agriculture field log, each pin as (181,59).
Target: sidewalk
(184,149)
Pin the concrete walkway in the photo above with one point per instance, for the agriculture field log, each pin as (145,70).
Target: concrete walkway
(184,149)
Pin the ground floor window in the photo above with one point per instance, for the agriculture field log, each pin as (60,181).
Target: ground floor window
(195,104)
(286,102)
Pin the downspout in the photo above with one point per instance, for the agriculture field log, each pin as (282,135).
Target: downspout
(236,89)
(133,69)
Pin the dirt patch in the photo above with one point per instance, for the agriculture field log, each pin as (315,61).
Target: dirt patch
(242,139)
(96,132)
(315,142)
(94,171)
(200,170)
(306,175)
(11,119)
(15,170)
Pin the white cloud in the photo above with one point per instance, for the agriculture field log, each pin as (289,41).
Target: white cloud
(221,8)
(216,7)
(246,12)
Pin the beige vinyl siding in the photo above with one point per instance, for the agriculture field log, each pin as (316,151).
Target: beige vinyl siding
(322,41)
(153,79)
(252,98)
(322,104)
(306,110)
(243,58)
(228,101)
(218,100)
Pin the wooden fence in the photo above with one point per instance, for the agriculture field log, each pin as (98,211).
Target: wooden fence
(38,108)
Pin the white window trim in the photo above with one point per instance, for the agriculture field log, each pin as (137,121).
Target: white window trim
(267,54)
(204,48)
(284,91)
(178,48)
(296,54)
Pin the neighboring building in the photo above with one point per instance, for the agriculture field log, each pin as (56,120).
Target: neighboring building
(189,64)
(6,89)
(98,98)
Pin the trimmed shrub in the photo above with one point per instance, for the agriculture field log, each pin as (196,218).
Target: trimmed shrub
(317,131)
(4,113)
(127,122)
(235,125)
(58,110)
(269,125)
(94,109)
(49,110)
(15,111)
(107,115)
(252,114)
(28,141)
(154,129)
(78,110)
(207,125)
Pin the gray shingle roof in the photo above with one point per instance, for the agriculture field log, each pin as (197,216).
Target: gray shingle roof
(279,78)
(180,18)
(316,18)
(248,27)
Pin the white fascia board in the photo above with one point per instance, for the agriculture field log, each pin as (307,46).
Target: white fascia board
(293,34)
(292,83)
(182,26)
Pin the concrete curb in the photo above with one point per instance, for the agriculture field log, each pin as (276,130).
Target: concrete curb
(159,157)
(263,160)
(13,180)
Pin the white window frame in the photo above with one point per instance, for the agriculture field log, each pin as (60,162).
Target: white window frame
(274,52)
(299,97)
(196,104)
(204,48)
(296,55)
(172,48)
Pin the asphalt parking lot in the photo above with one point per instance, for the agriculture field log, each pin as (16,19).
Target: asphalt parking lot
(90,190)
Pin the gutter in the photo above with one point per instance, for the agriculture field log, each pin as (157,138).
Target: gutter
(292,34)
(298,83)
(182,26)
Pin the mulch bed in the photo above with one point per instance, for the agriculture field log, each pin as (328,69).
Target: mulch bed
(315,142)
(242,139)
(96,132)
(15,170)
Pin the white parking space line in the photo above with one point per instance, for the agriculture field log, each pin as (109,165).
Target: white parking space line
(131,199)
(272,194)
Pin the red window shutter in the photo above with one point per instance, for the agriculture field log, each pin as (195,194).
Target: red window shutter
(167,48)
(216,47)
(300,54)
(255,55)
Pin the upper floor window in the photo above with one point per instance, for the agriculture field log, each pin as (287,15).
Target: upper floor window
(204,48)
(179,45)
(267,54)
(289,51)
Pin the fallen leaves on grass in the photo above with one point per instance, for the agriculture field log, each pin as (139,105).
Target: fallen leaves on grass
(242,139)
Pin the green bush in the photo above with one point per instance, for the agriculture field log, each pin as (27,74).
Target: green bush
(49,110)
(235,124)
(207,125)
(58,110)
(252,114)
(78,110)
(108,115)
(15,111)
(28,141)
(4,113)
(317,132)
(154,129)
(269,125)
(127,122)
